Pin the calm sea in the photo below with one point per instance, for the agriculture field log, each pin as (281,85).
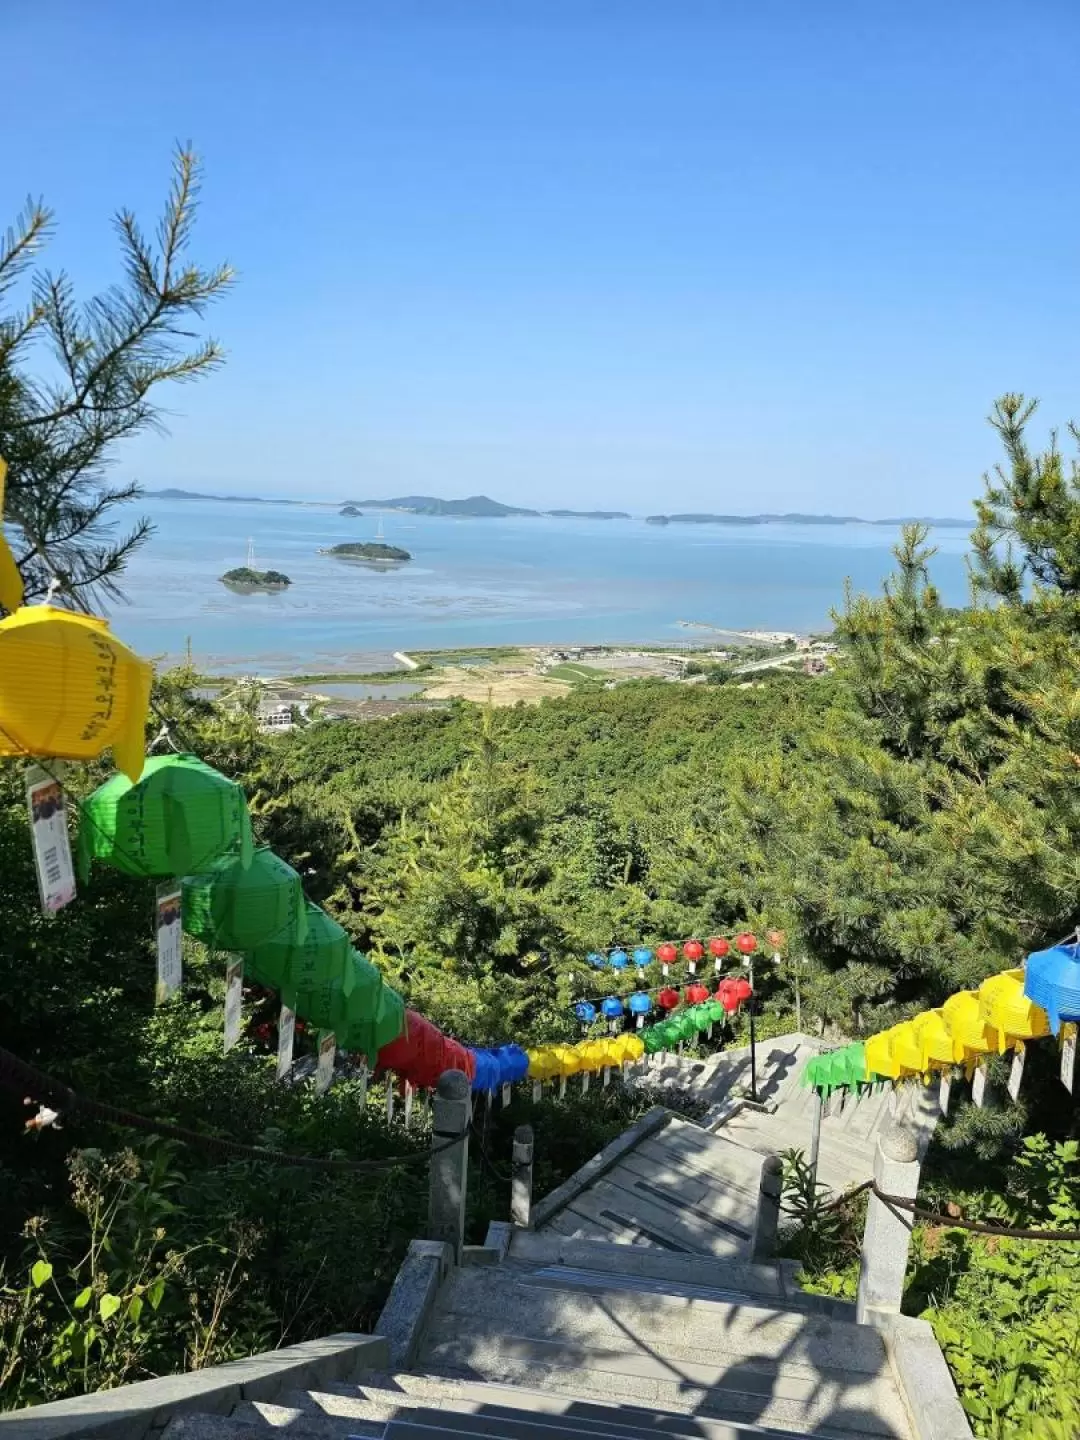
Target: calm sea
(482,582)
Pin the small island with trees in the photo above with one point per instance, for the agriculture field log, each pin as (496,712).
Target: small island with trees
(368,550)
(247,580)
(351,510)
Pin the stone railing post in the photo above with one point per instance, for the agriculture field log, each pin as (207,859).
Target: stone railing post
(451,1112)
(522,1178)
(886,1238)
(767,1220)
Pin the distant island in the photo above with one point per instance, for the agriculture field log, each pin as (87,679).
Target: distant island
(350,510)
(475,505)
(588,514)
(248,580)
(173,494)
(366,550)
(797,519)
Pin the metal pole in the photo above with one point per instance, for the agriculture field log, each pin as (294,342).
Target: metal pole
(798,999)
(753,1038)
(815,1134)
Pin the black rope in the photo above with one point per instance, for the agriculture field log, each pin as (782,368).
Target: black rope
(18,1075)
(935,1217)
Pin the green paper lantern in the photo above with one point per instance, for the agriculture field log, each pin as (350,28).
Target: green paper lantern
(653,1038)
(363,1012)
(230,907)
(849,1065)
(685,1025)
(177,819)
(290,964)
(701,1017)
(717,1013)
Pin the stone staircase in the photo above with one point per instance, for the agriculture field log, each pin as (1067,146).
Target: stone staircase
(635,1309)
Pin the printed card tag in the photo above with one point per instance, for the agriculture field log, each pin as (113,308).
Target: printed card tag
(1068,1055)
(708,1033)
(362,1083)
(286,1034)
(944,1094)
(1016,1074)
(409,1093)
(234,1002)
(389,1097)
(324,1071)
(538,1092)
(506,1094)
(169,931)
(585,1078)
(607,1076)
(562,1087)
(978,1085)
(47,804)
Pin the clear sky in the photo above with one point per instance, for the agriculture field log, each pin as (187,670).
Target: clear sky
(646,254)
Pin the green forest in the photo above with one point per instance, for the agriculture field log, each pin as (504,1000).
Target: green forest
(910,821)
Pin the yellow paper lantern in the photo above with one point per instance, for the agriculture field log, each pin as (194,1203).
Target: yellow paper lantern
(11,583)
(906,1050)
(879,1057)
(936,1043)
(1003,1004)
(966,1024)
(70,689)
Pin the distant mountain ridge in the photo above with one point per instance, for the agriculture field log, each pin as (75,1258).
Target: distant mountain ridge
(483,507)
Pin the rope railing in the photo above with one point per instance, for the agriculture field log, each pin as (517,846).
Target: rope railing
(21,1077)
(949,1222)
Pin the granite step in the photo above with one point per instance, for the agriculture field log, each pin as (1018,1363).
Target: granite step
(802,1398)
(485,1409)
(483,1305)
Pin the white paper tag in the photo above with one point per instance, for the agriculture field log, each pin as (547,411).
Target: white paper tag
(607,1076)
(409,1093)
(640,1021)
(718,965)
(708,1033)
(585,1078)
(978,1085)
(944,1094)
(389,1097)
(680,1049)
(169,931)
(562,1087)
(693,966)
(1068,1055)
(506,1093)
(234,1002)
(286,1033)
(538,1092)
(362,1084)
(324,1071)
(1016,1074)
(47,805)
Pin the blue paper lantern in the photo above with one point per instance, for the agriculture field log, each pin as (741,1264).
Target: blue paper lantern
(612,1007)
(1052,981)
(596,959)
(640,1004)
(585,1012)
(618,959)
(513,1064)
(642,956)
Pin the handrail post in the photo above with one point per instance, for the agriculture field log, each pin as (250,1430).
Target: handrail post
(449,1162)
(767,1220)
(522,1178)
(887,1236)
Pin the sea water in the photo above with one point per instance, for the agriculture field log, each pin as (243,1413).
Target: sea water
(471,582)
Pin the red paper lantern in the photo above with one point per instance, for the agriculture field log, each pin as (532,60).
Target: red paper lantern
(742,989)
(697,994)
(667,953)
(725,993)
(776,938)
(693,950)
(718,946)
(668,999)
(745,943)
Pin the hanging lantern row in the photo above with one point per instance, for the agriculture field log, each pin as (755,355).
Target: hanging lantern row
(1005,1012)
(667,954)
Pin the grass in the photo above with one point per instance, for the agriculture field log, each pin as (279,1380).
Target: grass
(573,672)
(357,677)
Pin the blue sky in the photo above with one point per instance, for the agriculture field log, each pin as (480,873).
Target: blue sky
(652,254)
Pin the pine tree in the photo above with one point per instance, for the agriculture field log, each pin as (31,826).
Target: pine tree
(60,422)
